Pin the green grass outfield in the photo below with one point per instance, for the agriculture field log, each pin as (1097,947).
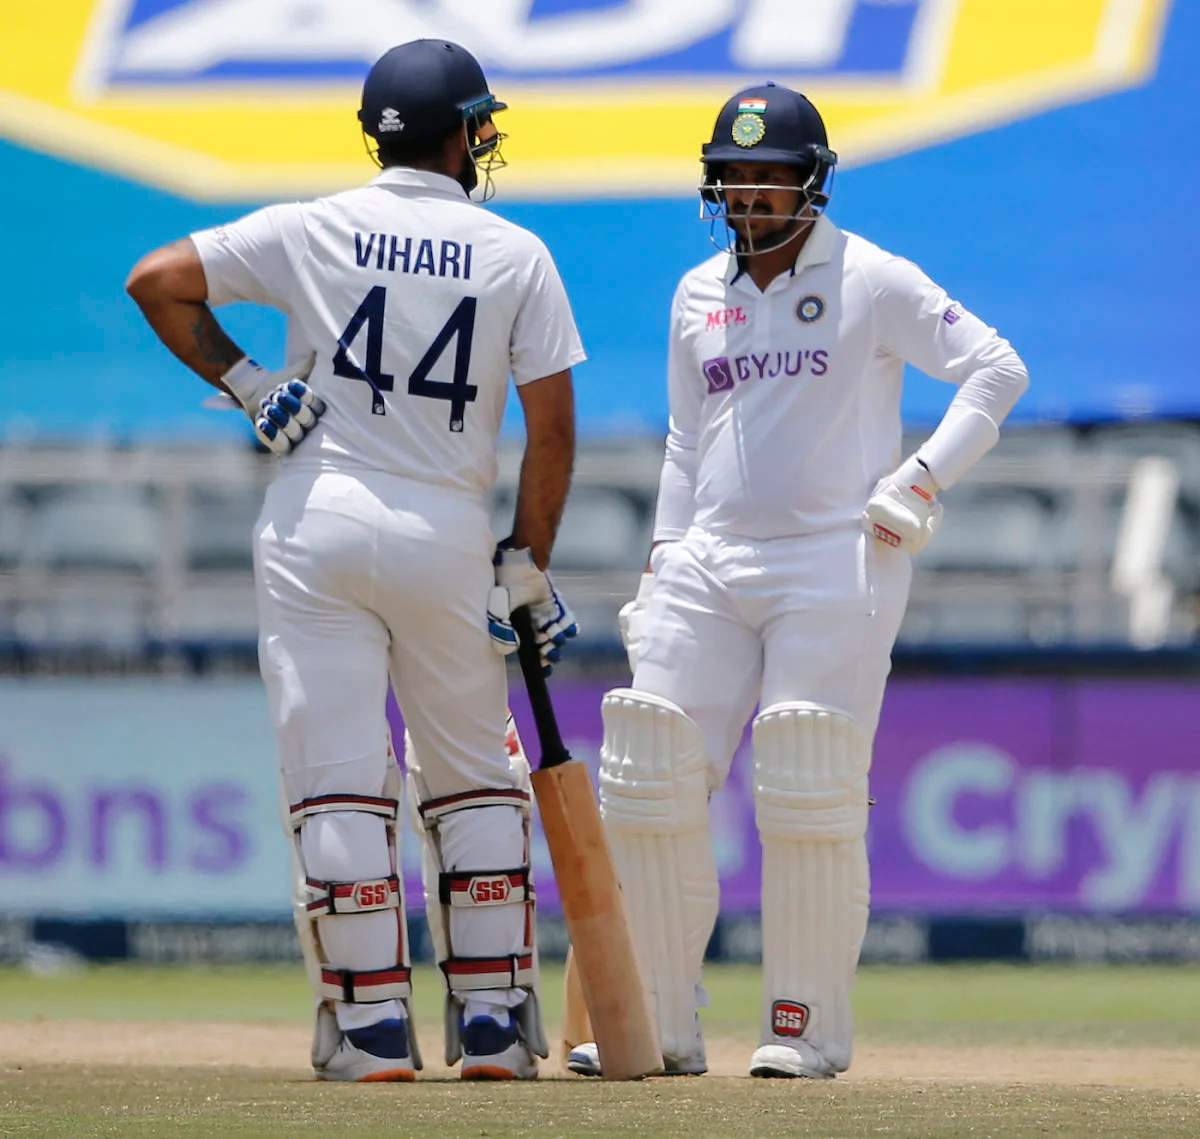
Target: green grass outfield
(996,1051)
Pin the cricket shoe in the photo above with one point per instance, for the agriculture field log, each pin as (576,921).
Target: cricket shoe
(790,1062)
(584,1060)
(495,1051)
(379,1053)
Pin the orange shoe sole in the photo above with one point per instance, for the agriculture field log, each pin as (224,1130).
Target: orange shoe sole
(488,1072)
(387,1076)
(390,1076)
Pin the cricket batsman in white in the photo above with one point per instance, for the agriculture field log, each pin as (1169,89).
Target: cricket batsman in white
(409,306)
(785,528)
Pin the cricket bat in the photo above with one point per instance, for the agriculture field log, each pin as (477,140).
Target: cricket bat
(597,924)
(576,1025)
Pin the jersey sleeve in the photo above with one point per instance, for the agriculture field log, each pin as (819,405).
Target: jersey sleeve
(919,323)
(253,259)
(685,397)
(544,337)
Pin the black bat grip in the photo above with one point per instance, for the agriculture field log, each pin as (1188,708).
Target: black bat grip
(554,751)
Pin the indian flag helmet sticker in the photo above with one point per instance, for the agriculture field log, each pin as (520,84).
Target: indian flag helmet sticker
(752,106)
(748,130)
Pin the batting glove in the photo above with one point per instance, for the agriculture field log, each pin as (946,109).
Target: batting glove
(631,618)
(282,407)
(903,510)
(519,582)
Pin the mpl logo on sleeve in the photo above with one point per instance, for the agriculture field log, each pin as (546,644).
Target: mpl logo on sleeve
(256,98)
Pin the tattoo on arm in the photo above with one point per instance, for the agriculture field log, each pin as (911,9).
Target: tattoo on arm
(212,346)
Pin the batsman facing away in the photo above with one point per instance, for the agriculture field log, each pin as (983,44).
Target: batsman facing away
(408,306)
(780,571)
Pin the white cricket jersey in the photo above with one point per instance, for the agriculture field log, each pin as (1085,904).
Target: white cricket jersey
(785,404)
(407,283)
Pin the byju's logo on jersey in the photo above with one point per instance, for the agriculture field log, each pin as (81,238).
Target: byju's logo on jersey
(256,98)
(718,374)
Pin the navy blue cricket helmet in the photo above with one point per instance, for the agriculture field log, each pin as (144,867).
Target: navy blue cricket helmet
(423,88)
(771,124)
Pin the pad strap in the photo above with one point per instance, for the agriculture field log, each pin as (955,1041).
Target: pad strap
(433,809)
(469,973)
(352,897)
(388,809)
(485,887)
(367,987)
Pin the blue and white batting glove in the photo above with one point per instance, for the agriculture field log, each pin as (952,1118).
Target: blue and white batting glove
(282,407)
(519,582)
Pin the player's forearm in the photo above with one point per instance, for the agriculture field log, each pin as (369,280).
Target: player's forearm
(542,493)
(971,425)
(169,287)
(191,332)
(676,492)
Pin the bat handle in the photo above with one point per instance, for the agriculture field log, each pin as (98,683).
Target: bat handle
(554,751)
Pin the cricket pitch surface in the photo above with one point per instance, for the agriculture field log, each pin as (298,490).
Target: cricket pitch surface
(982,1050)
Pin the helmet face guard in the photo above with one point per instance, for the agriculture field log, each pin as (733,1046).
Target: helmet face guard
(814,185)
(484,145)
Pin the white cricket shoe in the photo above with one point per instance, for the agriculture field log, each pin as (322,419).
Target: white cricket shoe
(495,1051)
(379,1053)
(790,1062)
(584,1060)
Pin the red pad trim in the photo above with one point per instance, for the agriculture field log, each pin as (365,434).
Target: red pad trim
(510,797)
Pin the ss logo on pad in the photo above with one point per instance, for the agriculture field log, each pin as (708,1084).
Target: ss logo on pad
(488,891)
(788,1018)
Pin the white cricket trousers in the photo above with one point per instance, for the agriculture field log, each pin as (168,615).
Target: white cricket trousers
(737,622)
(361,576)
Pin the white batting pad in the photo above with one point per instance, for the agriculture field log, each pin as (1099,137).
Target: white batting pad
(654,799)
(348,907)
(482,922)
(810,787)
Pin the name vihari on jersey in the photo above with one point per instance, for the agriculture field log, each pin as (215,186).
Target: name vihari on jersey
(406,255)
(721,374)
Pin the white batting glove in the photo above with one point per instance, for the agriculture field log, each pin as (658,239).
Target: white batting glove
(519,582)
(631,618)
(282,407)
(903,510)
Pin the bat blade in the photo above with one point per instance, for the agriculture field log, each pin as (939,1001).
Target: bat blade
(576,1025)
(597,923)
(594,909)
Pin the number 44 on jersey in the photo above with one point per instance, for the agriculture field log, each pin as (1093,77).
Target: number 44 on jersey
(460,327)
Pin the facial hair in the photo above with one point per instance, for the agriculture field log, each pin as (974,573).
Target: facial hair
(468,173)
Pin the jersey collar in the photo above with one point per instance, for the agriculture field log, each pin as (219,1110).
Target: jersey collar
(817,250)
(405,178)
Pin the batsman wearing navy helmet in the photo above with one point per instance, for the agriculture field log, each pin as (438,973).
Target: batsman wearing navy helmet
(785,528)
(408,309)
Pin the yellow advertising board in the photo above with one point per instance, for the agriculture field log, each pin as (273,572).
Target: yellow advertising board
(237,99)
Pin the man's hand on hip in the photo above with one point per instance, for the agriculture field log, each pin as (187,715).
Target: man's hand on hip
(903,510)
(282,407)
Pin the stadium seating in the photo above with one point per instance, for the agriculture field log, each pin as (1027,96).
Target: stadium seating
(125,548)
